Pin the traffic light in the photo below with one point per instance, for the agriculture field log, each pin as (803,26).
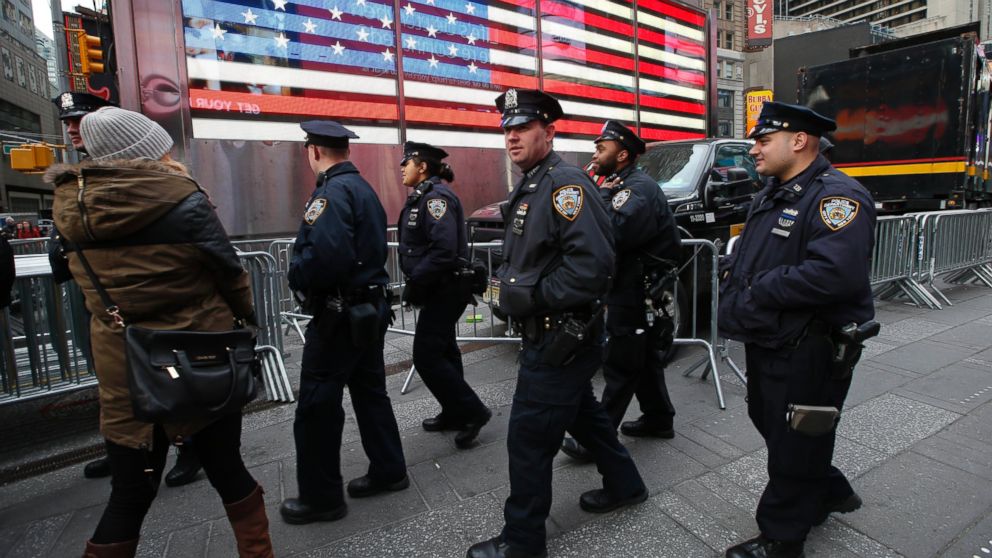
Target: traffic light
(90,54)
(34,157)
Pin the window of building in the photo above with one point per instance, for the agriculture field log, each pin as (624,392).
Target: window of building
(724,98)
(728,10)
(725,39)
(725,129)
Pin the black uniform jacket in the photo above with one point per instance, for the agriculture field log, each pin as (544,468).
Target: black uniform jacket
(341,245)
(804,254)
(558,249)
(643,229)
(432,233)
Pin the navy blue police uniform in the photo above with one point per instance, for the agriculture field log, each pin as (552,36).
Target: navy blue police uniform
(338,267)
(799,272)
(433,249)
(647,239)
(558,259)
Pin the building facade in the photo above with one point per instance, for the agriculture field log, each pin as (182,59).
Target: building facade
(46,49)
(904,17)
(729,21)
(26,110)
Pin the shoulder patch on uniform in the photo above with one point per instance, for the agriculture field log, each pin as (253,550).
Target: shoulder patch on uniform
(437,208)
(620,198)
(838,212)
(568,201)
(314,210)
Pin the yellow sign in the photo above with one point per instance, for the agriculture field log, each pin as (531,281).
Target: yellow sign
(753,101)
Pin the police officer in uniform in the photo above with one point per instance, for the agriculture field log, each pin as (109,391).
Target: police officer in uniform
(433,249)
(558,258)
(796,282)
(338,271)
(72,108)
(647,245)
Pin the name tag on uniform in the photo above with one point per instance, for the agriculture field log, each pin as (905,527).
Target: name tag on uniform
(782,233)
(411,221)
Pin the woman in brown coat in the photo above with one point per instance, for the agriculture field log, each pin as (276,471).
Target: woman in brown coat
(156,245)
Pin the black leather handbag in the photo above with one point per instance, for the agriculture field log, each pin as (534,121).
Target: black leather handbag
(177,375)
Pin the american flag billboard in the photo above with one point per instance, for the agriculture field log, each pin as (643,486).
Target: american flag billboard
(430,70)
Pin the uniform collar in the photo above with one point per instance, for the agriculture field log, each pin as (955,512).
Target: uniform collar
(344,167)
(794,188)
(532,177)
(424,187)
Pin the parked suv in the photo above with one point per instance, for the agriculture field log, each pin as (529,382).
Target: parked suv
(709,184)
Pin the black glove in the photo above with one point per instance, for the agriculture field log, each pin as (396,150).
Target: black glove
(414,294)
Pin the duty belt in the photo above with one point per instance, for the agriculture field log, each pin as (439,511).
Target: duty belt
(534,328)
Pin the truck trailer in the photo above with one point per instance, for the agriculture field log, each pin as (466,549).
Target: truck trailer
(912,119)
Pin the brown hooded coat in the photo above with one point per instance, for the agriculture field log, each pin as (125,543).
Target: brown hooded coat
(158,249)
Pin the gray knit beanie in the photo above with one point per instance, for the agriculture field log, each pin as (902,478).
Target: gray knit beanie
(115,133)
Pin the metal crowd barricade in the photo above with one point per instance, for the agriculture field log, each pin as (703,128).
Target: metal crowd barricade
(44,335)
(894,261)
(263,270)
(28,246)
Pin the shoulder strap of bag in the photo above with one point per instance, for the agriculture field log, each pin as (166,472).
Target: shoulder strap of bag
(112,309)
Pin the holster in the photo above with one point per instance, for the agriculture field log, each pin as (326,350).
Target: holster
(364,321)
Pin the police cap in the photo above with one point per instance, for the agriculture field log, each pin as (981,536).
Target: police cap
(777,116)
(423,151)
(615,131)
(327,133)
(73,105)
(520,106)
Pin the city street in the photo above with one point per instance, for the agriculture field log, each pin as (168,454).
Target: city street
(915,438)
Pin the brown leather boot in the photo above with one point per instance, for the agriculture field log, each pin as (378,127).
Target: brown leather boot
(114,550)
(251,526)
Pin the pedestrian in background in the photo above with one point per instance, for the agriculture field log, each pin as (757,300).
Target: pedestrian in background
(558,259)
(72,107)
(639,333)
(798,276)
(338,271)
(433,250)
(128,201)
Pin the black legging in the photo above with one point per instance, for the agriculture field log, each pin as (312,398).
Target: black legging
(219,448)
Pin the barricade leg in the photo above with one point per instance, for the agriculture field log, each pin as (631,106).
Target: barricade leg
(409,378)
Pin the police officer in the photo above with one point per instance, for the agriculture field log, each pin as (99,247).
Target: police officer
(338,271)
(433,249)
(798,275)
(558,258)
(647,246)
(72,107)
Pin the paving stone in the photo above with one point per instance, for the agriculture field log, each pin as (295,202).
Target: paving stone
(39,501)
(750,471)
(960,383)
(840,535)
(640,531)
(977,425)
(918,522)
(909,330)
(874,347)
(40,536)
(719,507)
(445,532)
(870,381)
(854,459)
(77,530)
(711,442)
(922,357)
(976,541)
(718,537)
(733,427)
(189,542)
(661,464)
(960,452)
(697,451)
(434,488)
(891,423)
(480,470)
(972,335)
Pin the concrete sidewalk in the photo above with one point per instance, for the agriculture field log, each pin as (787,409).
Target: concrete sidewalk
(916,439)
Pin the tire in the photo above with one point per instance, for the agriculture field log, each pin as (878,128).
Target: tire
(681,314)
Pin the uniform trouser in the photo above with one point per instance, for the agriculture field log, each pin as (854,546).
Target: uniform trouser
(547,401)
(439,361)
(136,474)
(633,367)
(801,478)
(330,362)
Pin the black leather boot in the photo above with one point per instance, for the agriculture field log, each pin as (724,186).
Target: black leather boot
(646,427)
(97,469)
(186,468)
(761,547)
(496,548)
